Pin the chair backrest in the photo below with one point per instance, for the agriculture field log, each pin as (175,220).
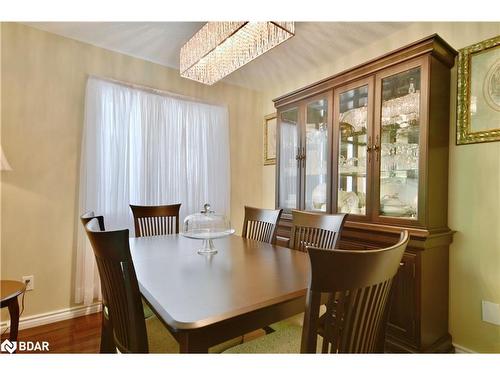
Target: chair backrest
(89,215)
(315,229)
(118,278)
(260,224)
(85,218)
(356,284)
(107,342)
(156,220)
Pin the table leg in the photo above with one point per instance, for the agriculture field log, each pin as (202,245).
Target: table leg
(189,344)
(14,318)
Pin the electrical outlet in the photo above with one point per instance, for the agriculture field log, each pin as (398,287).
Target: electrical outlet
(491,312)
(29,281)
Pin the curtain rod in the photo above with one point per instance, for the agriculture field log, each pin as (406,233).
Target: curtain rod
(152,90)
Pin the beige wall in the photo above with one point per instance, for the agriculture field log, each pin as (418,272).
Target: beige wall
(474,192)
(43,100)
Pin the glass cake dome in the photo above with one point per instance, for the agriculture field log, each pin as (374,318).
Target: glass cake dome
(206,225)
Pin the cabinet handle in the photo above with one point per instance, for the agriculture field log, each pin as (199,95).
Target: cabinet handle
(402,263)
(303,156)
(369,148)
(301,153)
(376,147)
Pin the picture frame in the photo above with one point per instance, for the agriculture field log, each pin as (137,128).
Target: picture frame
(478,93)
(270,126)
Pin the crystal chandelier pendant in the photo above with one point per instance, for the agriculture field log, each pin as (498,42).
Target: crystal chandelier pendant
(220,48)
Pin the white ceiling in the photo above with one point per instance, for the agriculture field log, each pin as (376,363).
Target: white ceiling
(314,44)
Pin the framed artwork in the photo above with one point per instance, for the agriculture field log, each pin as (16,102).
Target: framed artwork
(270,123)
(478,96)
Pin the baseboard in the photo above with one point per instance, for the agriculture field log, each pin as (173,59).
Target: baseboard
(462,350)
(54,316)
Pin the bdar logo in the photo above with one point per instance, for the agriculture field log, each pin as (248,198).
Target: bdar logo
(24,346)
(8,346)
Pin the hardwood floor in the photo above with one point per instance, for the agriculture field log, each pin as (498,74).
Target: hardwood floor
(78,335)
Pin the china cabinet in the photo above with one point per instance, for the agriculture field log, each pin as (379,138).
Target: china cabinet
(372,142)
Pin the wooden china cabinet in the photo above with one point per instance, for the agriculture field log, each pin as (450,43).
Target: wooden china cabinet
(372,142)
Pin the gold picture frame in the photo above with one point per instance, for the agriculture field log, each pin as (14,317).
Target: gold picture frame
(270,126)
(478,92)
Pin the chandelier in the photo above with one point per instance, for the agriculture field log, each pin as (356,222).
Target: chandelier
(219,48)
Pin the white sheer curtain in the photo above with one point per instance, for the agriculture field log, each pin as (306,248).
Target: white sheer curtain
(147,149)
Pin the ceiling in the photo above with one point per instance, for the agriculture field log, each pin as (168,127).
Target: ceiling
(314,44)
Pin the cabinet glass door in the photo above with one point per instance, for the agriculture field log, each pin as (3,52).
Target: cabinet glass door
(352,125)
(288,161)
(399,144)
(316,155)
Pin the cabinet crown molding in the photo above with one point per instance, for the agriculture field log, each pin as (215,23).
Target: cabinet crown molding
(433,44)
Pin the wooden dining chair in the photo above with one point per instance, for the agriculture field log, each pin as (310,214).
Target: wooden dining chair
(131,332)
(311,229)
(357,284)
(119,282)
(107,345)
(156,220)
(315,229)
(260,224)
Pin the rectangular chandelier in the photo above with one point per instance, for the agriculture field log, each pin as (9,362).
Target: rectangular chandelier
(219,48)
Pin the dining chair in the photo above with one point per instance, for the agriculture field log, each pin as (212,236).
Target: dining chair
(260,224)
(156,220)
(131,332)
(315,229)
(311,229)
(107,345)
(357,284)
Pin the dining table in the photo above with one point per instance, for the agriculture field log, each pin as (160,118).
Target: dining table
(205,300)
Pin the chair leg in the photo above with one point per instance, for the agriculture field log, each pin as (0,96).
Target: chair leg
(107,342)
(268,330)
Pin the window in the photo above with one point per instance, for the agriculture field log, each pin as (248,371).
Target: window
(147,148)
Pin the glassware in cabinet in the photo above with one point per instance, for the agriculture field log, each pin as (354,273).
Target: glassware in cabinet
(353,126)
(399,142)
(316,151)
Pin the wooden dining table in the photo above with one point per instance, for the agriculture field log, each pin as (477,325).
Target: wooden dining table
(207,300)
